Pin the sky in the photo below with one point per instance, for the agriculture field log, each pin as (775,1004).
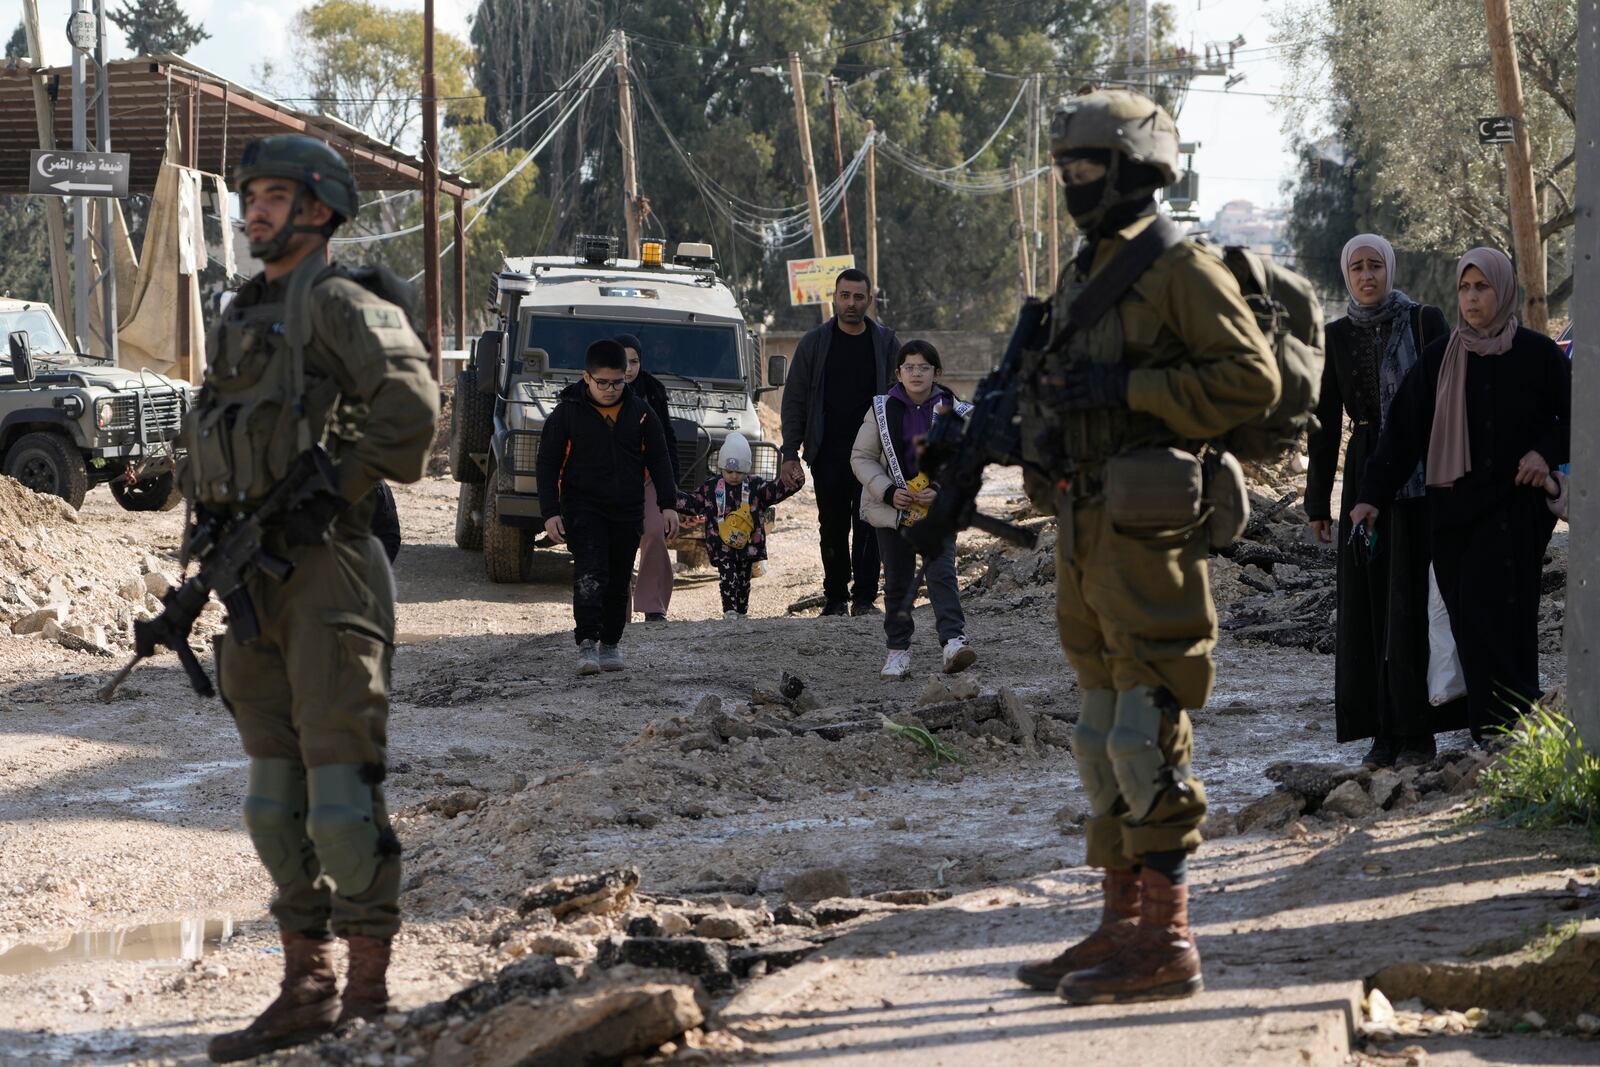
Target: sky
(1244,153)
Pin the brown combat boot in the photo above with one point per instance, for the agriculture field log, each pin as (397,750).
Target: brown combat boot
(1119,918)
(307,1004)
(1159,962)
(366,992)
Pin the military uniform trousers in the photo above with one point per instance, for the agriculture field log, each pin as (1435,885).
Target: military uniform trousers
(310,697)
(1137,623)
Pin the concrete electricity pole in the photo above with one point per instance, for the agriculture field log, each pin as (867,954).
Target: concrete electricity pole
(1583,572)
(1519,168)
(430,199)
(819,239)
(630,163)
(1024,272)
(110,319)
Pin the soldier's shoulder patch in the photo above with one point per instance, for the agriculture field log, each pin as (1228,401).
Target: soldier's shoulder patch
(382,317)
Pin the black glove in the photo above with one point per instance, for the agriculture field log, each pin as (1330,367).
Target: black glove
(1085,384)
(312,522)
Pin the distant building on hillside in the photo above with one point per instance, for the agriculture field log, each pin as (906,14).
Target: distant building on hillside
(1240,222)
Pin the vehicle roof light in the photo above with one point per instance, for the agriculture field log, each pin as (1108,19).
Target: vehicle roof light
(651,252)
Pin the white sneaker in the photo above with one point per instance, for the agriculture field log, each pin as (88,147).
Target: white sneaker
(958,655)
(731,616)
(898,665)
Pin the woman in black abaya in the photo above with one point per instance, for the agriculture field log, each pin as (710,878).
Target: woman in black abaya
(1381,660)
(1490,410)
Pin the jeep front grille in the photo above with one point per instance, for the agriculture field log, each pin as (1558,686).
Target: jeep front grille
(162,415)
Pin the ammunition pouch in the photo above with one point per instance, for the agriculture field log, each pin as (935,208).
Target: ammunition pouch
(1155,494)
(1227,498)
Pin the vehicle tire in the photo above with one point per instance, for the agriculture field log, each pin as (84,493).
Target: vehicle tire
(507,550)
(471,426)
(469,517)
(152,494)
(47,463)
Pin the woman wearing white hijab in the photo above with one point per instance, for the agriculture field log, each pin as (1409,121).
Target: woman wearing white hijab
(1381,660)
(1490,411)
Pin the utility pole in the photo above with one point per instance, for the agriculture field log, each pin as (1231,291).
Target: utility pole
(80,204)
(872,209)
(54,216)
(1024,273)
(109,316)
(630,164)
(1583,573)
(1033,184)
(819,239)
(1519,168)
(1055,228)
(430,200)
(838,155)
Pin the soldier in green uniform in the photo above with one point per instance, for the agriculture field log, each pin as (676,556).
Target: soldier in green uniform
(1117,419)
(308,354)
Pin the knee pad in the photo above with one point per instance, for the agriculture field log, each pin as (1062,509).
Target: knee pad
(1134,748)
(343,826)
(275,817)
(1089,739)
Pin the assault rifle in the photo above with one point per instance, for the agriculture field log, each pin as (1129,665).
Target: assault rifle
(958,449)
(228,548)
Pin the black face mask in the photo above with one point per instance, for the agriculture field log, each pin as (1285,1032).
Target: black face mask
(1084,201)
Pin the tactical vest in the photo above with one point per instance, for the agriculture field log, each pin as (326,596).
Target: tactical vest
(257,410)
(1057,444)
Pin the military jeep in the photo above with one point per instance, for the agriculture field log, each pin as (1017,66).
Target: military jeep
(69,422)
(549,310)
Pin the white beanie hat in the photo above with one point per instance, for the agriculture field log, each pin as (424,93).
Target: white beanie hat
(735,454)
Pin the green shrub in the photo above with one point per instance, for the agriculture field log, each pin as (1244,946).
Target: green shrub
(1545,778)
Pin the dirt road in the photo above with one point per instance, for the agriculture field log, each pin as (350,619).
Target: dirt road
(120,836)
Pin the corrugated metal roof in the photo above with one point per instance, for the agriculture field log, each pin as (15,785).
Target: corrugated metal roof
(223,115)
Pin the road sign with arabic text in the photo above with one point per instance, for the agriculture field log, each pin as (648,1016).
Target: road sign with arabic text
(1497,129)
(57,173)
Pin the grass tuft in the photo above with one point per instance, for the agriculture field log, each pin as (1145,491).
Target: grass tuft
(940,751)
(1545,778)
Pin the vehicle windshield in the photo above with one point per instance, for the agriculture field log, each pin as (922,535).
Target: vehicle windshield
(44,339)
(699,351)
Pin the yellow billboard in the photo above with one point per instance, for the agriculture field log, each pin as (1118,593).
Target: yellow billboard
(811,280)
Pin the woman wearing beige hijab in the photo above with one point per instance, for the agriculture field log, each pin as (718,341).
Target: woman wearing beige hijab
(1489,410)
(1381,659)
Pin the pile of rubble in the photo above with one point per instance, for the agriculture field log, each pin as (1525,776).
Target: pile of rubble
(945,704)
(64,582)
(1334,792)
(595,971)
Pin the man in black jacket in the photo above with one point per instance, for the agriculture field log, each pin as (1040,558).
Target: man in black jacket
(593,454)
(838,368)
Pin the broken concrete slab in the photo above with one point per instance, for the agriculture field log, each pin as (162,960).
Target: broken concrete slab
(704,958)
(1349,800)
(1271,812)
(843,909)
(625,1016)
(774,956)
(605,893)
(1017,716)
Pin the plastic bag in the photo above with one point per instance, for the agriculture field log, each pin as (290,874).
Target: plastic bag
(1446,682)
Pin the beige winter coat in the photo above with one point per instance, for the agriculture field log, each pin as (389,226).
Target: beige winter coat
(871,468)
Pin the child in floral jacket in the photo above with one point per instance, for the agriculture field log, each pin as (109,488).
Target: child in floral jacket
(734,504)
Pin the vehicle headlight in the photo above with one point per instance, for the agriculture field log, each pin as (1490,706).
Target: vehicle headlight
(102,413)
(72,405)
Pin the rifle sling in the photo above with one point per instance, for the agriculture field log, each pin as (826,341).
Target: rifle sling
(1103,290)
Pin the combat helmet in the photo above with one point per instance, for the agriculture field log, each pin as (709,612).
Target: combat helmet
(321,172)
(1119,120)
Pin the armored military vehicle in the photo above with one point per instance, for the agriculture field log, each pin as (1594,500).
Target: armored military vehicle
(69,422)
(549,310)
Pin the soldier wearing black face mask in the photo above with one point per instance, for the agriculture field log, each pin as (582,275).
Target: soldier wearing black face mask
(1114,417)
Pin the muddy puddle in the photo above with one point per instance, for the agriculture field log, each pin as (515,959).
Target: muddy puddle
(188,938)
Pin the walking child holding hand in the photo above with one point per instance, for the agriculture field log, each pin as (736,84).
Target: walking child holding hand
(734,504)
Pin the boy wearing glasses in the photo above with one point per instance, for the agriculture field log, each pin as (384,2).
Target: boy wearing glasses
(596,447)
